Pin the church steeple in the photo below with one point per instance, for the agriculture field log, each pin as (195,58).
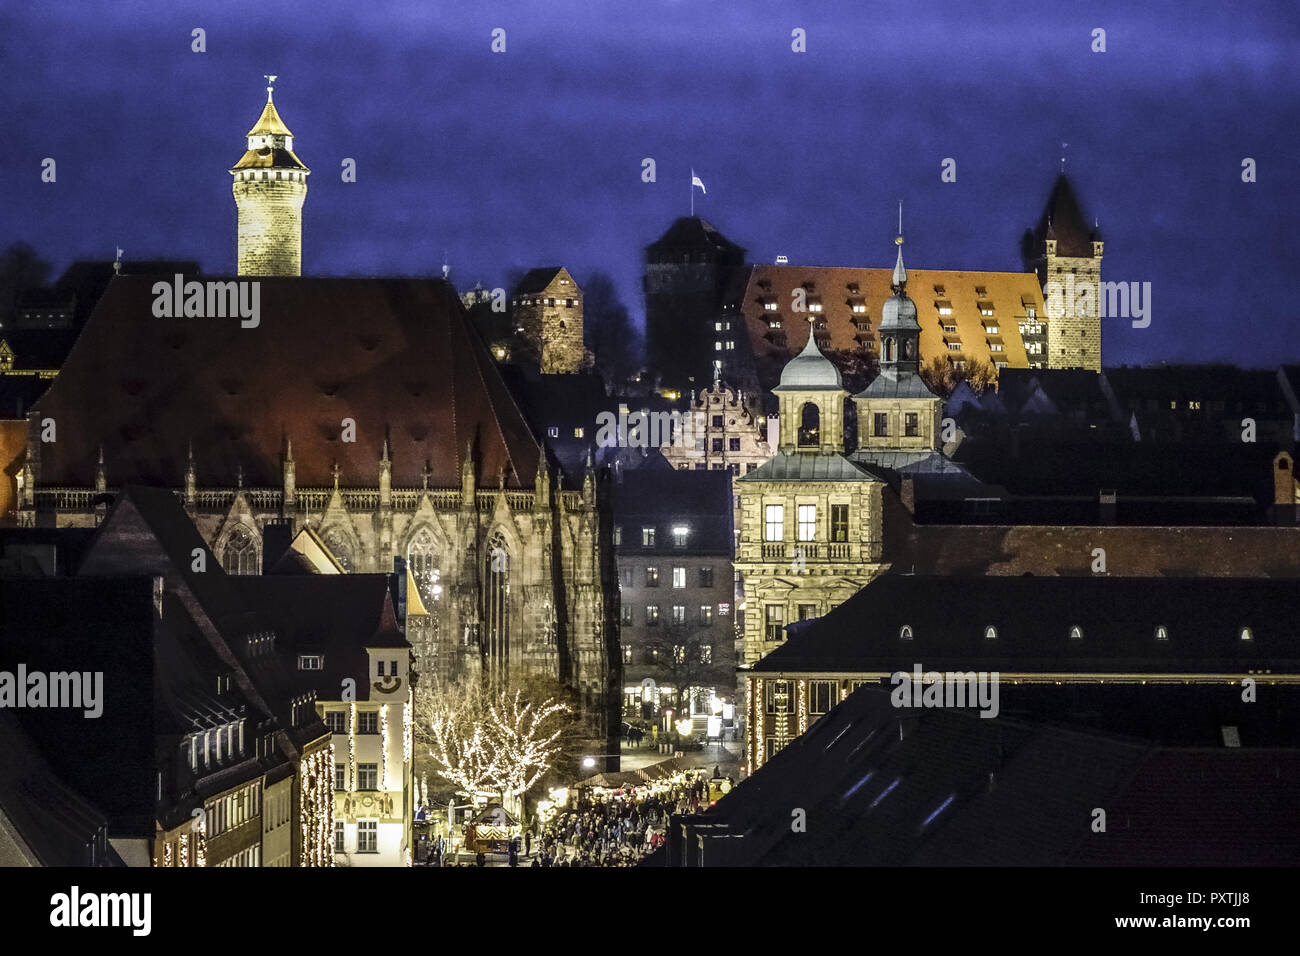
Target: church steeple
(270,185)
(900,333)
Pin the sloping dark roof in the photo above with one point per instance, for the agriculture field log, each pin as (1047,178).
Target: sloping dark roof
(660,498)
(335,615)
(943,787)
(1033,618)
(1063,220)
(395,355)
(536,280)
(58,825)
(694,233)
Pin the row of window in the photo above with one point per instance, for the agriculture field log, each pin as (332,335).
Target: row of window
(367,721)
(779,695)
(651,655)
(806,524)
(678,614)
(911,424)
(252,856)
(233,810)
(367,776)
(211,747)
(1076,633)
(704,577)
(367,836)
(567,303)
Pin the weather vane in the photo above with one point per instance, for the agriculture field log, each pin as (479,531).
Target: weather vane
(270,83)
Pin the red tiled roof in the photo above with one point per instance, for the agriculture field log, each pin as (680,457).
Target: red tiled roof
(395,355)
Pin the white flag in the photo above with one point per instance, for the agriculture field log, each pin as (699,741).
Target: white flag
(696,181)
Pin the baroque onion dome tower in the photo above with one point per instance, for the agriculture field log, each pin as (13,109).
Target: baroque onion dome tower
(270,186)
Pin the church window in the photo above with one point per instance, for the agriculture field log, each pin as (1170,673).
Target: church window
(424,570)
(905,633)
(807,522)
(880,423)
(839,522)
(911,424)
(340,547)
(809,425)
(889,348)
(1247,634)
(774,523)
(240,556)
(496,608)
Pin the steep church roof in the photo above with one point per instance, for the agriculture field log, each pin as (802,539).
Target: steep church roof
(1063,221)
(397,356)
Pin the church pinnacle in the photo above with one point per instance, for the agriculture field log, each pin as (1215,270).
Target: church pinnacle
(270,185)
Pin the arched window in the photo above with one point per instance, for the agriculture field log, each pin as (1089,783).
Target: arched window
(495,643)
(423,566)
(905,632)
(889,348)
(341,547)
(809,425)
(240,555)
(1247,634)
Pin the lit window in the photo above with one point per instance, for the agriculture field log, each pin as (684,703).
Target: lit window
(821,696)
(652,577)
(1076,633)
(1247,634)
(367,776)
(553,431)
(679,613)
(647,537)
(618,534)
(706,653)
(1162,633)
(990,633)
(310,662)
(839,522)
(651,614)
(368,836)
(780,700)
(773,622)
(679,536)
(774,523)
(706,614)
(578,432)
(905,633)
(807,522)
(679,577)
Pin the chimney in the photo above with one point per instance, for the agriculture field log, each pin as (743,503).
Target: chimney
(1107,505)
(1284,496)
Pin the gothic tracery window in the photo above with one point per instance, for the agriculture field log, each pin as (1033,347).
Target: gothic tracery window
(423,565)
(340,547)
(496,608)
(240,554)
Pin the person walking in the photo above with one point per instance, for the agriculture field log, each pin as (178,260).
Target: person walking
(528,843)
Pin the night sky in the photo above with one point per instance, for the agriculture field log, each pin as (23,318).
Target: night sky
(533,157)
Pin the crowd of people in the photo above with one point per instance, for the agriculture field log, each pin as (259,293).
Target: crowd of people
(616,829)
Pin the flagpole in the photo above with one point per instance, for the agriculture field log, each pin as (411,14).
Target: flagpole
(692,189)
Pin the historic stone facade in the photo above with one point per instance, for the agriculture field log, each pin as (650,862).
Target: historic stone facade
(547,311)
(1066,254)
(270,185)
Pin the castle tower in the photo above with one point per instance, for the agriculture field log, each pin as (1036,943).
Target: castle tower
(1066,254)
(547,311)
(270,184)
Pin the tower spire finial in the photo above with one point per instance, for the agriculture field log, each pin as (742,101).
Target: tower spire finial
(900,272)
(270,84)
(1064,146)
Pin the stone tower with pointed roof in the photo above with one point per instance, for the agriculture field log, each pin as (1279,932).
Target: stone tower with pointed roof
(270,185)
(1066,253)
(897,412)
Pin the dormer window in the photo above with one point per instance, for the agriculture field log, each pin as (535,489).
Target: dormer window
(311,662)
(905,632)
(990,633)
(1247,634)
(1162,633)
(1076,633)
